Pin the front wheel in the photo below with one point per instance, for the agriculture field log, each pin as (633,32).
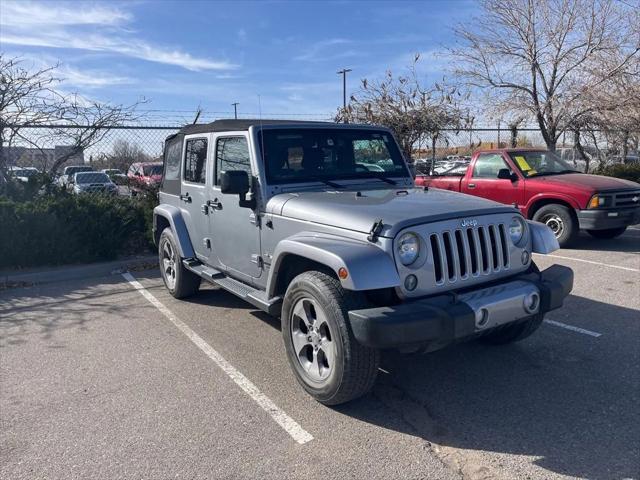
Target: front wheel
(325,357)
(608,233)
(561,220)
(513,332)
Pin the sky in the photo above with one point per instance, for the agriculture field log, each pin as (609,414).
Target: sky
(280,57)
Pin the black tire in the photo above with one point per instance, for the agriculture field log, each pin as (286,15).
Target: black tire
(180,282)
(354,367)
(514,332)
(562,220)
(608,233)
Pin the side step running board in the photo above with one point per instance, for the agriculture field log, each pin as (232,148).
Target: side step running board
(254,296)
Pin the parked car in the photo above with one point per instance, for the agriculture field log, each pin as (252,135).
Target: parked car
(546,189)
(93,182)
(353,260)
(23,174)
(66,179)
(142,175)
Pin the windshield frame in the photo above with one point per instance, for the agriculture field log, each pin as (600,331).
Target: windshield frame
(523,172)
(379,177)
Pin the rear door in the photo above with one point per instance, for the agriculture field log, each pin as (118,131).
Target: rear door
(482,180)
(193,191)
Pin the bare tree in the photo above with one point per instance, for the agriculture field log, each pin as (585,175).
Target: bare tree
(29,99)
(540,57)
(403,104)
(123,154)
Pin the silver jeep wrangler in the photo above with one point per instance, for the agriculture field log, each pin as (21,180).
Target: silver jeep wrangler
(320,224)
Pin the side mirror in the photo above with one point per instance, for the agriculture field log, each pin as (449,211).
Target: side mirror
(505,174)
(234,182)
(138,174)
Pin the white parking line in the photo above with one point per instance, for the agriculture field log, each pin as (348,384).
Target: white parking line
(572,328)
(279,416)
(629,269)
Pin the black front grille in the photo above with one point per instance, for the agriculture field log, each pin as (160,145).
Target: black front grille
(627,199)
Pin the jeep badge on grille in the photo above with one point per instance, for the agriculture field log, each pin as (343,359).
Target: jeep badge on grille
(469,223)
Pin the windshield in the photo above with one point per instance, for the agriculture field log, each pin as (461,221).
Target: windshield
(91,177)
(151,170)
(302,155)
(533,164)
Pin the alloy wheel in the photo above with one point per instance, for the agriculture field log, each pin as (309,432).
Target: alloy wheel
(312,340)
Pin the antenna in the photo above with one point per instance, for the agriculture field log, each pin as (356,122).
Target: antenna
(261,130)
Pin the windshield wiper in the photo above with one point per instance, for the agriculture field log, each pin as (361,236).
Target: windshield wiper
(386,179)
(325,181)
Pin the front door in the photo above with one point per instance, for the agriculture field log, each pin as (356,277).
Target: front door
(193,192)
(234,230)
(484,181)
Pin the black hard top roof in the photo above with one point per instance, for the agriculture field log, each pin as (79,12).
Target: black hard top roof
(244,124)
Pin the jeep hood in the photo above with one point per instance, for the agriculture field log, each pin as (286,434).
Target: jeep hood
(397,208)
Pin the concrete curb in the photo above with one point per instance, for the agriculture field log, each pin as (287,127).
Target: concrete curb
(10,279)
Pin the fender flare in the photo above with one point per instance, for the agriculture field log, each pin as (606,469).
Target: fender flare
(542,238)
(176,222)
(359,258)
(551,196)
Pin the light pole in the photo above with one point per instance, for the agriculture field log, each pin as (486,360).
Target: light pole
(344,72)
(235,109)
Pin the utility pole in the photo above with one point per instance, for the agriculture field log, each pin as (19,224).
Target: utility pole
(235,109)
(344,72)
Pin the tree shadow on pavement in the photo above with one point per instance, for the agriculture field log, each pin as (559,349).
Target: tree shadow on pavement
(627,243)
(570,401)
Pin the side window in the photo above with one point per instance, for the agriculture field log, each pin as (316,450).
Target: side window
(232,153)
(195,160)
(487,165)
(172,160)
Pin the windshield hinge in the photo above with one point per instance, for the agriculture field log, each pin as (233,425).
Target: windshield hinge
(375,231)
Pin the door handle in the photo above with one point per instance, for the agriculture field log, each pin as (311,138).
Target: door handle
(471,185)
(186,198)
(215,204)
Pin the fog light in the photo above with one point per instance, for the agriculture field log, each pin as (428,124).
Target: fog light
(525,257)
(531,302)
(411,282)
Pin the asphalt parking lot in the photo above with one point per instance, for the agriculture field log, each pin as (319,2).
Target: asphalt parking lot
(112,378)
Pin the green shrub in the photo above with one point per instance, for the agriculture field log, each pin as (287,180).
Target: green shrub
(61,228)
(629,171)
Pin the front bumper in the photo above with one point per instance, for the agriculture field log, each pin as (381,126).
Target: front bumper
(609,218)
(438,321)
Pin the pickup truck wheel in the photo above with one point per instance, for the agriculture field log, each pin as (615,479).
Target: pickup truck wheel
(513,333)
(179,281)
(608,233)
(325,357)
(561,220)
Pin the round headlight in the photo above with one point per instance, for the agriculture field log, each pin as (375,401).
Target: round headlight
(516,230)
(408,247)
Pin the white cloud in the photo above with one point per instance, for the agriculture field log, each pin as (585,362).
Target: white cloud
(313,53)
(91,78)
(57,30)
(25,13)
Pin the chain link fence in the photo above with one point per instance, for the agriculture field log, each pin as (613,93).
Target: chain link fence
(131,156)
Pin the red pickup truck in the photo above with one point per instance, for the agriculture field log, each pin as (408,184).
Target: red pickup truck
(547,190)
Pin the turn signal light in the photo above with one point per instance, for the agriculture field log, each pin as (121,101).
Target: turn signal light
(342,273)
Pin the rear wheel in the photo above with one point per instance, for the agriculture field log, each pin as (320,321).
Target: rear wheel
(179,281)
(608,233)
(514,332)
(561,220)
(325,357)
